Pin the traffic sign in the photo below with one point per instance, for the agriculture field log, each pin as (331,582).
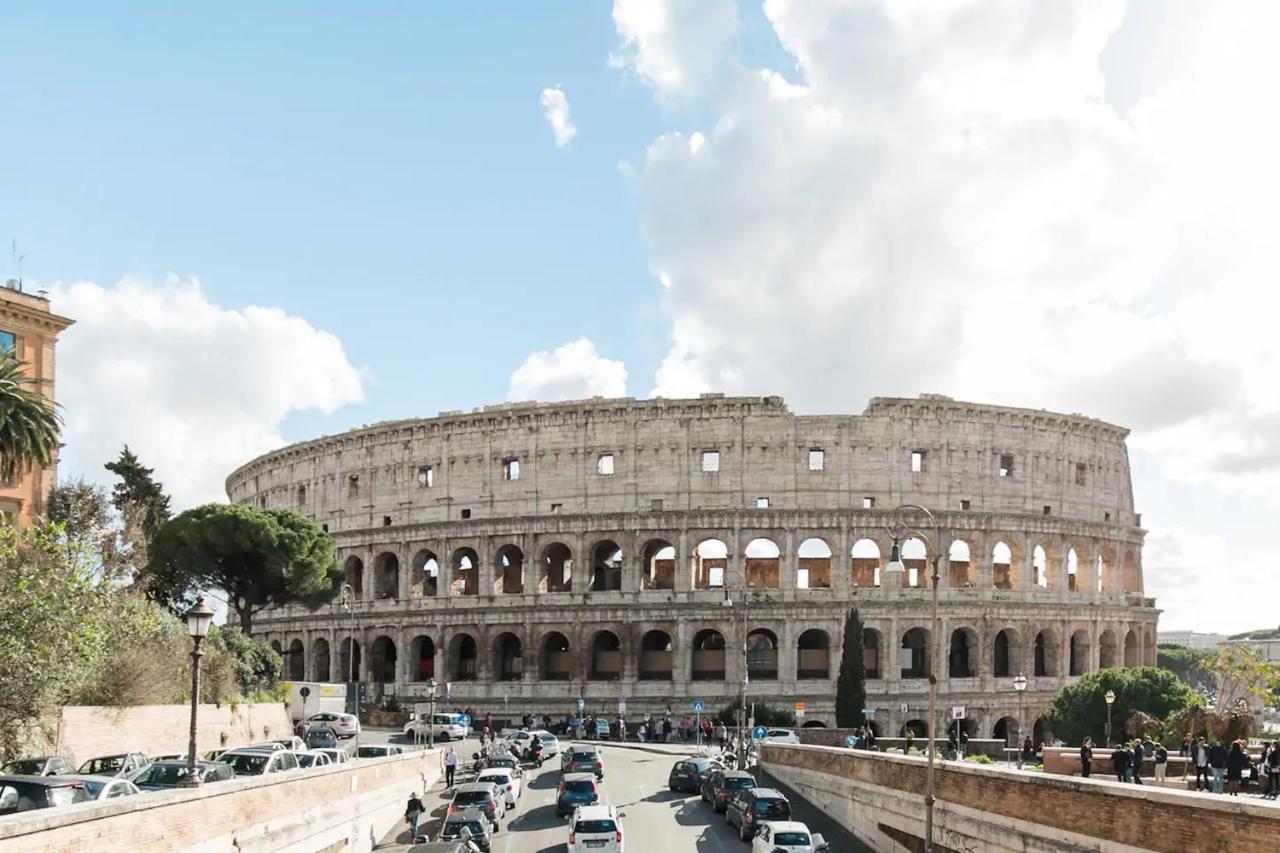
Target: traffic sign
(850,740)
(799,709)
(464,719)
(957,712)
(868,712)
(759,733)
(581,704)
(304,691)
(699,705)
(905,708)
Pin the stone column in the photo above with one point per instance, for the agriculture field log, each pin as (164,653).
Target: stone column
(981,569)
(444,576)
(406,570)
(788,566)
(842,564)
(683,573)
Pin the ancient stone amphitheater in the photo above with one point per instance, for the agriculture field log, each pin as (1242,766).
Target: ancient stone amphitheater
(618,549)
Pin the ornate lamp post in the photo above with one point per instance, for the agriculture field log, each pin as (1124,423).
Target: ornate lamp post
(1020,685)
(431,724)
(199,617)
(901,531)
(348,602)
(742,687)
(1110,699)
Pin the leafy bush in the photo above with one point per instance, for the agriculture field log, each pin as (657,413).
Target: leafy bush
(979,759)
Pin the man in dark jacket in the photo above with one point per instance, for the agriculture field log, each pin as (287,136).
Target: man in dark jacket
(1121,761)
(1136,767)
(1217,765)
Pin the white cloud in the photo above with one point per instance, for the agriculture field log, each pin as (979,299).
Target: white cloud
(555,107)
(194,388)
(678,47)
(572,371)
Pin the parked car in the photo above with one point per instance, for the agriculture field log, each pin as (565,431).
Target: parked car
(781,736)
(312,758)
(25,793)
(470,825)
(292,742)
(345,725)
(602,729)
(481,796)
(436,847)
(751,807)
(169,756)
(583,761)
(322,737)
(45,765)
(446,727)
(337,755)
(688,774)
(722,784)
(106,787)
(595,828)
(506,782)
(255,761)
(788,836)
(576,789)
(125,764)
(163,775)
(378,750)
(550,743)
(215,754)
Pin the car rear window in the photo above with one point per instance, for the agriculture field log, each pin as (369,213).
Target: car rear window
(453,828)
(246,765)
(29,767)
(592,826)
(65,795)
(580,786)
(772,807)
(108,765)
(468,797)
(738,783)
(160,774)
(790,838)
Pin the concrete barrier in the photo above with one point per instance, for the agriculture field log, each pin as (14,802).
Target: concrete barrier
(346,807)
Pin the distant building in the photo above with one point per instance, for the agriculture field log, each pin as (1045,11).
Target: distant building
(1190,639)
(1267,649)
(30,330)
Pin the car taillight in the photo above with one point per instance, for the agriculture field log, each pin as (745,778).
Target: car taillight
(619,836)
(598,765)
(571,836)
(508,787)
(452,808)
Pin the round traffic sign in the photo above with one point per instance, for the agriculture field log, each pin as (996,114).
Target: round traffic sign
(304,692)
(699,705)
(581,704)
(464,719)
(759,733)
(850,740)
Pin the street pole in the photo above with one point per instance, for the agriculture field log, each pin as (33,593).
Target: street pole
(1020,686)
(742,690)
(348,601)
(431,709)
(198,619)
(1109,697)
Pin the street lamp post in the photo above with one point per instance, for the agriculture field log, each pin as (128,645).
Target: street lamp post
(431,709)
(1020,685)
(348,601)
(746,666)
(899,530)
(198,618)
(1110,699)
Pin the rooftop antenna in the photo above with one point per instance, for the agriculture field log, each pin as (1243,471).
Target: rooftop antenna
(16,261)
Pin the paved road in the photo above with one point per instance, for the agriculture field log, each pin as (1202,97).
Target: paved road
(635,781)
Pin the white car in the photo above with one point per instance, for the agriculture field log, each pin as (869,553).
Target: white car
(505,780)
(343,725)
(292,742)
(336,756)
(378,750)
(781,736)
(259,761)
(444,726)
(550,745)
(313,758)
(106,787)
(595,828)
(787,836)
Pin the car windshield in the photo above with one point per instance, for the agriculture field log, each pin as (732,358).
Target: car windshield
(791,838)
(453,828)
(470,797)
(306,760)
(372,751)
(579,786)
(246,764)
(773,808)
(26,767)
(737,783)
(108,765)
(161,774)
(496,778)
(66,795)
(591,826)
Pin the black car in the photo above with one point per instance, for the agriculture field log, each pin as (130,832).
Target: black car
(720,785)
(750,807)
(45,765)
(25,793)
(688,774)
(164,775)
(322,738)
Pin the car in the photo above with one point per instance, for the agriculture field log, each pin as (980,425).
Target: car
(510,762)
(125,764)
(582,761)
(106,787)
(518,738)
(337,755)
(550,743)
(468,825)
(688,774)
(602,729)
(443,727)
(215,754)
(576,789)
(322,737)
(256,761)
(345,725)
(313,758)
(169,756)
(480,796)
(506,782)
(19,793)
(378,750)
(292,742)
(751,807)
(436,847)
(45,765)
(163,775)
(567,755)
(269,745)
(595,828)
(788,836)
(781,736)
(718,787)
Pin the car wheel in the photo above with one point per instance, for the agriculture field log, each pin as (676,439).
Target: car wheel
(672,787)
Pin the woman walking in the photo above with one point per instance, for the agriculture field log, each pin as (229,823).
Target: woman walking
(1237,763)
(1086,757)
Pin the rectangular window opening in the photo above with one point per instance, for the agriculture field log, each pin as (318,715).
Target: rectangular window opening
(1006,465)
(762,503)
(511,469)
(426,477)
(817,459)
(353,486)
(604,465)
(1081,471)
(802,578)
(1048,509)
(466,513)
(964,503)
(917,461)
(710,461)
(302,495)
(655,505)
(386,521)
(868,503)
(325,528)
(1106,516)
(556,507)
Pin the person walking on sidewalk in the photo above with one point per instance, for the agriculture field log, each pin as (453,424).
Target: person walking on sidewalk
(412,813)
(450,767)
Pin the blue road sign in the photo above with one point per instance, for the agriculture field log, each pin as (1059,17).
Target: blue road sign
(581,704)
(868,712)
(464,719)
(850,740)
(699,705)
(759,733)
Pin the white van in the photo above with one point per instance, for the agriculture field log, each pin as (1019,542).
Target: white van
(444,727)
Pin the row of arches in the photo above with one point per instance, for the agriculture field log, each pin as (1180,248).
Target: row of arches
(553,569)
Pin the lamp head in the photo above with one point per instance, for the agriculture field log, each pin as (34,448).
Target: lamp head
(199,618)
(1020,683)
(895,566)
(1110,697)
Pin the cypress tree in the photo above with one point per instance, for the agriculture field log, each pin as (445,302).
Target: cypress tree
(851,687)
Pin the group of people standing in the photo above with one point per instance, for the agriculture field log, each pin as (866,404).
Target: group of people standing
(1218,767)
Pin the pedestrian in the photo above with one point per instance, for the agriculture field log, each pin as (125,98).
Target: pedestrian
(488,722)
(1121,762)
(1086,757)
(1028,751)
(1136,767)
(1273,772)
(1237,763)
(450,767)
(722,735)
(1200,760)
(908,742)
(870,742)
(1185,749)
(640,732)
(666,730)
(412,812)
(1162,763)
(1217,765)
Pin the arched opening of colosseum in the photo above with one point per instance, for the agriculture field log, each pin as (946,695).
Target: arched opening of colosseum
(606,566)
(814,570)
(295,661)
(382,663)
(556,568)
(1040,731)
(813,659)
(353,575)
(1080,648)
(915,560)
(422,651)
(659,565)
(762,655)
(865,555)
(1046,654)
(1006,654)
(963,658)
(708,564)
(1006,729)
(557,661)
(1002,566)
(1073,570)
(1106,569)
(462,657)
(655,656)
(426,573)
(1130,576)
(606,658)
(708,656)
(320,659)
(277,648)
(509,571)
(914,654)
(1108,650)
(349,669)
(1040,567)
(1130,649)
(508,657)
(813,724)
(386,572)
(871,653)
(958,565)
(917,728)
(466,572)
(762,564)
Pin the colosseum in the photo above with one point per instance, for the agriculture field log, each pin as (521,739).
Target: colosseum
(655,552)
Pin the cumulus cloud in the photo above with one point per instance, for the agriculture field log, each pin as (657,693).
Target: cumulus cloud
(678,48)
(555,107)
(194,388)
(572,371)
